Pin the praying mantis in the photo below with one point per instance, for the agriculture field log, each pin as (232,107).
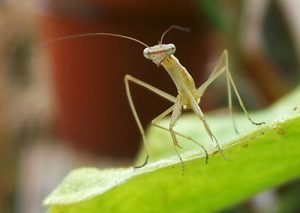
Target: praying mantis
(188,96)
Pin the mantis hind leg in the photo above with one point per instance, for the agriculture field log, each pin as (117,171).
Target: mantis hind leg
(230,83)
(221,67)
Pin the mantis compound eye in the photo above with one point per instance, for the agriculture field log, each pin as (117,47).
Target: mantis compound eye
(147,53)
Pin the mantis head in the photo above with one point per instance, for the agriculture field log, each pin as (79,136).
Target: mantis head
(159,52)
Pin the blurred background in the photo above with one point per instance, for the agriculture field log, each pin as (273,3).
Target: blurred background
(64,105)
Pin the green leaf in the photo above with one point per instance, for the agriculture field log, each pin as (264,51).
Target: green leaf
(260,158)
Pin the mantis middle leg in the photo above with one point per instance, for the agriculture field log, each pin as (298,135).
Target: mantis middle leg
(129,78)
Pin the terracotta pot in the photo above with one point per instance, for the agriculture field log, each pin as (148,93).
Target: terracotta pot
(92,109)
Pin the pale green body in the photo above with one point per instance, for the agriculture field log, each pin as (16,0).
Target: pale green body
(182,79)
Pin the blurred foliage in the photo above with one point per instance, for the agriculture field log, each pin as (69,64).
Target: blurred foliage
(214,13)
(277,40)
(271,52)
(289,197)
(20,53)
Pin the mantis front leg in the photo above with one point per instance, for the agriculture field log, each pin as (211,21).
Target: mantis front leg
(155,121)
(197,110)
(175,115)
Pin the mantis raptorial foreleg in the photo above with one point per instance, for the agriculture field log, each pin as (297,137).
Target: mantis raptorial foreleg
(175,115)
(186,137)
(165,113)
(155,121)
(197,110)
(129,78)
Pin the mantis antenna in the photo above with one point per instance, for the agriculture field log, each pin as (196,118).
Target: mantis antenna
(113,35)
(90,35)
(170,28)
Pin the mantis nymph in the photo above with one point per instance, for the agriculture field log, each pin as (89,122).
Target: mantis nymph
(188,97)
